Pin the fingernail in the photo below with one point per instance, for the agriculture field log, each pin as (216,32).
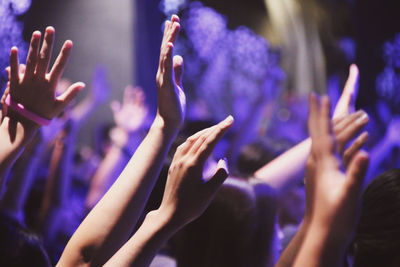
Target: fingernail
(228,120)
(363,119)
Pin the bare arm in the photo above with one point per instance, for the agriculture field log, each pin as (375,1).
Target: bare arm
(111,221)
(336,195)
(130,119)
(27,88)
(186,196)
(288,169)
(345,128)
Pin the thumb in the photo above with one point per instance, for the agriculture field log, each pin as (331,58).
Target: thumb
(178,69)
(356,172)
(219,177)
(69,94)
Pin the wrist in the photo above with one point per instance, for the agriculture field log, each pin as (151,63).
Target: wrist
(162,221)
(327,234)
(15,117)
(167,129)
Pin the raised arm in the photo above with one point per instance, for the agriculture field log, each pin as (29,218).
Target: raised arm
(336,195)
(345,128)
(187,194)
(35,91)
(282,176)
(111,221)
(130,118)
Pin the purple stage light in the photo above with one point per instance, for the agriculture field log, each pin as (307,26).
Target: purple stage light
(226,68)
(11,31)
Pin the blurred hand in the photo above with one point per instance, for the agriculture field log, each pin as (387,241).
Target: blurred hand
(336,193)
(131,115)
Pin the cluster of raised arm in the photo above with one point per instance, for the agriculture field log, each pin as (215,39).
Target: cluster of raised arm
(335,166)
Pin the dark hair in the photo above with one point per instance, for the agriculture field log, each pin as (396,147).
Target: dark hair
(18,246)
(255,155)
(377,239)
(236,230)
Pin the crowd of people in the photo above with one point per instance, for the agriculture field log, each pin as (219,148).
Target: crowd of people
(149,191)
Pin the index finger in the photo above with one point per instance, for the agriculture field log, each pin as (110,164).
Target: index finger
(212,139)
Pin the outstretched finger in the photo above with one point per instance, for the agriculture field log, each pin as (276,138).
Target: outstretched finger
(174,31)
(129,95)
(313,115)
(346,101)
(350,128)
(167,63)
(356,146)
(208,145)
(68,95)
(14,66)
(356,172)
(190,141)
(45,52)
(178,69)
(60,63)
(324,116)
(33,55)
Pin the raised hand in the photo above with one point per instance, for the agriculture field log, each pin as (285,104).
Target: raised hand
(131,115)
(336,193)
(171,98)
(36,87)
(187,193)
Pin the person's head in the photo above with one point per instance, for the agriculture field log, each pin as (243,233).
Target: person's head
(377,239)
(18,246)
(236,230)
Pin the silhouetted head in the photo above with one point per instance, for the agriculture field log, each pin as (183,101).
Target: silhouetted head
(236,230)
(377,239)
(18,246)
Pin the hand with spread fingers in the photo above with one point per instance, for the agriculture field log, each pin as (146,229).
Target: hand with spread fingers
(171,98)
(35,89)
(187,193)
(336,194)
(131,114)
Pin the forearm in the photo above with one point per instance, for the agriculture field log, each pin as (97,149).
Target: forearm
(110,166)
(111,221)
(142,247)
(15,134)
(287,169)
(21,181)
(289,255)
(321,248)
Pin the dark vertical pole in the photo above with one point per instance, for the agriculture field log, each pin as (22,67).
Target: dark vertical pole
(147,40)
